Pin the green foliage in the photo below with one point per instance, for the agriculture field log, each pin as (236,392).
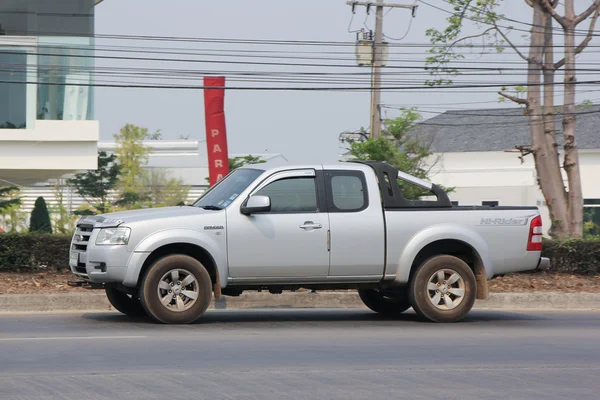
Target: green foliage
(7,198)
(165,191)
(445,42)
(132,200)
(574,256)
(28,251)
(40,217)
(95,186)
(10,209)
(237,162)
(155,136)
(132,155)
(62,218)
(399,149)
(591,222)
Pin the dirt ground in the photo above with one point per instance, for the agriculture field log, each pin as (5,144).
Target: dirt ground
(56,282)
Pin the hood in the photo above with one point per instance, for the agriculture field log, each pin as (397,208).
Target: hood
(115,219)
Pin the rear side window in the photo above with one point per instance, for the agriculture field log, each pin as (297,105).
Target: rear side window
(346,191)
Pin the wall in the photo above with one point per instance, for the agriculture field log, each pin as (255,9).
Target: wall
(50,150)
(500,176)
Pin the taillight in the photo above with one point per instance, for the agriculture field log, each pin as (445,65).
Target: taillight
(535,235)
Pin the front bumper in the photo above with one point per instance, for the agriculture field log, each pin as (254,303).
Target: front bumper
(543,264)
(101,264)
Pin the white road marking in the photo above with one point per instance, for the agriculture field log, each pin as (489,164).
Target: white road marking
(39,339)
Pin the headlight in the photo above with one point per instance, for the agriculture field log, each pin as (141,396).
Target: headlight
(113,236)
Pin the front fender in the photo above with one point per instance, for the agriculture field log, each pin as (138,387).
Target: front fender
(173,236)
(441,232)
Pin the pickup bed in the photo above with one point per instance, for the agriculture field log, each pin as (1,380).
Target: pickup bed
(322,227)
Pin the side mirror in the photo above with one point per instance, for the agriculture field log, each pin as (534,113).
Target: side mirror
(256,204)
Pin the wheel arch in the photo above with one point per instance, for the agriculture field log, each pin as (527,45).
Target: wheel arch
(188,249)
(202,247)
(458,249)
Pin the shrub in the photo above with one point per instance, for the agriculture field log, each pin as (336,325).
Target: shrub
(40,217)
(573,256)
(22,251)
(29,250)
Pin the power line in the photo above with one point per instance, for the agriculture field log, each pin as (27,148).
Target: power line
(577,32)
(268,63)
(501,17)
(302,88)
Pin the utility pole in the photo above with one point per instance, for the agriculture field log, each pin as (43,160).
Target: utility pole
(376,57)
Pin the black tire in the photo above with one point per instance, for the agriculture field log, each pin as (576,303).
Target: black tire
(422,298)
(149,291)
(385,303)
(124,303)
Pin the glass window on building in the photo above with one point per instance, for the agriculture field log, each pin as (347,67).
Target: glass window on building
(65,68)
(47,17)
(591,218)
(13,92)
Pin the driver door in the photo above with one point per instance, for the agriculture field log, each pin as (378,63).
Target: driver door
(290,241)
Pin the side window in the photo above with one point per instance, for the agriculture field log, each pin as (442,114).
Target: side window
(291,195)
(347,191)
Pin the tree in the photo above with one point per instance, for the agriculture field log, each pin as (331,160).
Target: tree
(164,190)
(40,217)
(132,155)
(398,148)
(62,216)
(8,192)
(95,186)
(565,204)
(237,162)
(10,205)
(157,135)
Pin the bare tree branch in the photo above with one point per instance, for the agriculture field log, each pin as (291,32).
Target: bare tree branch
(585,41)
(510,43)
(547,6)
(587,12)
(462,39)
(514,98)
(471,37)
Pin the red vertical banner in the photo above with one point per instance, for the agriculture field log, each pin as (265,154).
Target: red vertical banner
(216,135)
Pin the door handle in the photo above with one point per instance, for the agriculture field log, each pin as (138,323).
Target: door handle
(309,225)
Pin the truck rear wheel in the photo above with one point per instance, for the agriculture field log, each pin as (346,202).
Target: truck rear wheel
(443,289)
(386,303)
(176,290)
(125,303)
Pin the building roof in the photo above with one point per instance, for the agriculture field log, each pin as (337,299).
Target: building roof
(498,129)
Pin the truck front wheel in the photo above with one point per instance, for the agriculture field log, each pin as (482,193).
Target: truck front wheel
(125,303)
(443,289)
(176,290)
(386,303)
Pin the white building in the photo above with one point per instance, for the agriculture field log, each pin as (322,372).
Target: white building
(47,125)
(183,159)
(471,153)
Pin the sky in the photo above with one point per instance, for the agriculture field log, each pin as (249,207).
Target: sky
(303,126)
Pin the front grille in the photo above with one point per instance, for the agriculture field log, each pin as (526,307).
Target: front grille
(83,234)
(81,240)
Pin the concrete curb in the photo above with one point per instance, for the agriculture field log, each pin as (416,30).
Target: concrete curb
(83,302)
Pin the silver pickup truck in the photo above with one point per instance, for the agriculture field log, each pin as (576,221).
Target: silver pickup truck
(322,227)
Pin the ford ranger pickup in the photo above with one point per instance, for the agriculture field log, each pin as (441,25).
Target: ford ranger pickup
(321,227)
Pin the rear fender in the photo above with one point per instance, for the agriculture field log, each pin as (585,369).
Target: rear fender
(434,234)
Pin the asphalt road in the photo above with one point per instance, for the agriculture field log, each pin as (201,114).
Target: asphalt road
(307,354)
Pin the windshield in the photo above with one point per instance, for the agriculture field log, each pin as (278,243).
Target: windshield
(222,194)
